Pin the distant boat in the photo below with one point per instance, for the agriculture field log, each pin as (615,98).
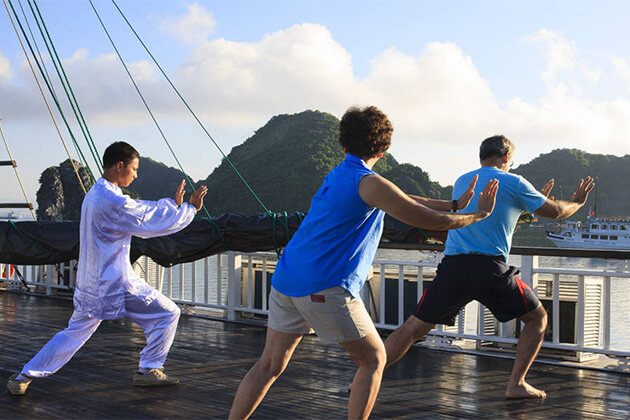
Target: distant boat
(593,233)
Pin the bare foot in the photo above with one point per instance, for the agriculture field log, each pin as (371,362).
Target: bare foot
(524,391)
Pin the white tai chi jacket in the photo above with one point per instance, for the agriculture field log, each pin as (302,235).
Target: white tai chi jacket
(108,221)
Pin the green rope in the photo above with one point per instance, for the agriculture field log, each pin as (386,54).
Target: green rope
(286,225)
(41,59)
(146,105)
(58,105)
(273,234)
(251,190)
(67,86)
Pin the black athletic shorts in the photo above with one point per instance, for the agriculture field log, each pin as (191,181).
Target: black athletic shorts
(486,279)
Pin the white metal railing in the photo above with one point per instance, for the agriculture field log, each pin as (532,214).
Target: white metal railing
(245,277)
(236,285)
(47,278)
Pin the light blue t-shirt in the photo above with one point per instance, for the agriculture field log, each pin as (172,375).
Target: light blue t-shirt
(337,241)
(493,235)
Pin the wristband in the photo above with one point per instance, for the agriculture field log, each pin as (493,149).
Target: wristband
(454,206)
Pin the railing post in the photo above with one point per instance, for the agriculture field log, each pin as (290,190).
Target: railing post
(160,278)
(579,319)
(529,264)
(606,314)
(401,295)
(234,284)
(555,309)
(381,295)
(264,285)
(49,279)
(219,280)
(206,279)
(480,321)
(193,282)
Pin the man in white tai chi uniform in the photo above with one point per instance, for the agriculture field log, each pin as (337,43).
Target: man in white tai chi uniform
(107,286)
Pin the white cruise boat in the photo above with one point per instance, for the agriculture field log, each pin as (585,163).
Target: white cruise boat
(593,233)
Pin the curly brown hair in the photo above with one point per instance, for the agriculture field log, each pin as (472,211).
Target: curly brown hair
(365,132)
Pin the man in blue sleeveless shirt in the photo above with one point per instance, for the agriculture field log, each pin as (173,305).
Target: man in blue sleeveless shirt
(474,266)
(317,280)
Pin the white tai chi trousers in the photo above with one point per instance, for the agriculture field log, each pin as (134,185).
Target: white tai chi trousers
(158,320)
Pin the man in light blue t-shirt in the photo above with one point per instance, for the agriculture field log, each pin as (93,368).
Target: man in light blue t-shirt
(474,266)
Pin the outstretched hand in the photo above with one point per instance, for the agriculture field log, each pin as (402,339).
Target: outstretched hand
(179,194)
(546,189)
(583,190)
(465,198)
(488,198)
(196,199)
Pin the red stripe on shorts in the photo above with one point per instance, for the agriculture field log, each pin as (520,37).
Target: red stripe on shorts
(521,288)
(421,299)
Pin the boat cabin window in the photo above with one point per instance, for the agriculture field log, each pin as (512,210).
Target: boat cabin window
(622,228)
(613,238)
(593,226)
(584,236)
(613,227)
(594,236)
(604,227)
(567,234)
(603,237)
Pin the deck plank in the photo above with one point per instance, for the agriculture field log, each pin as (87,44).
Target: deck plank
(211,357)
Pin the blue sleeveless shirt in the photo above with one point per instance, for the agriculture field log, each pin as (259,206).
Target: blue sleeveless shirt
(336,243)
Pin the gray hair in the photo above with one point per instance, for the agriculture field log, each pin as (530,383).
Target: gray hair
(495,146)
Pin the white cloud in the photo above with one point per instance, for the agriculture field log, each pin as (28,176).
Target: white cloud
(564,62)
(5,68)
(192,27)
(426,94)
(440,104)
(622,67)
(560,53)
(290,70)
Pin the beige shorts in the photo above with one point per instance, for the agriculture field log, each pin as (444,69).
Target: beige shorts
(334,314)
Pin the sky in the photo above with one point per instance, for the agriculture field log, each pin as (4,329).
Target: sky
(547,74)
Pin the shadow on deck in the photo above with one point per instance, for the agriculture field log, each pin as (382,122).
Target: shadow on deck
(211,357)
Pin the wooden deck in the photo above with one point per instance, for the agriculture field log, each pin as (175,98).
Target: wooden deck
(210,358)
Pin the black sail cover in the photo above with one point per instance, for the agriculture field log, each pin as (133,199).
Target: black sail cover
(36,243)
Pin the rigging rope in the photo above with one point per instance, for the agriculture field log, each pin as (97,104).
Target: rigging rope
(17,174)
(251,190)
(146,105)
(39,86)
(39,54)
(65,82)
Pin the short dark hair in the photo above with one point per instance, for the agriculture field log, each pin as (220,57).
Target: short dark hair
(119,152)
(495,146)
(365,132)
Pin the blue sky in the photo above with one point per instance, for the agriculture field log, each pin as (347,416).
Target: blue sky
(548,74)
